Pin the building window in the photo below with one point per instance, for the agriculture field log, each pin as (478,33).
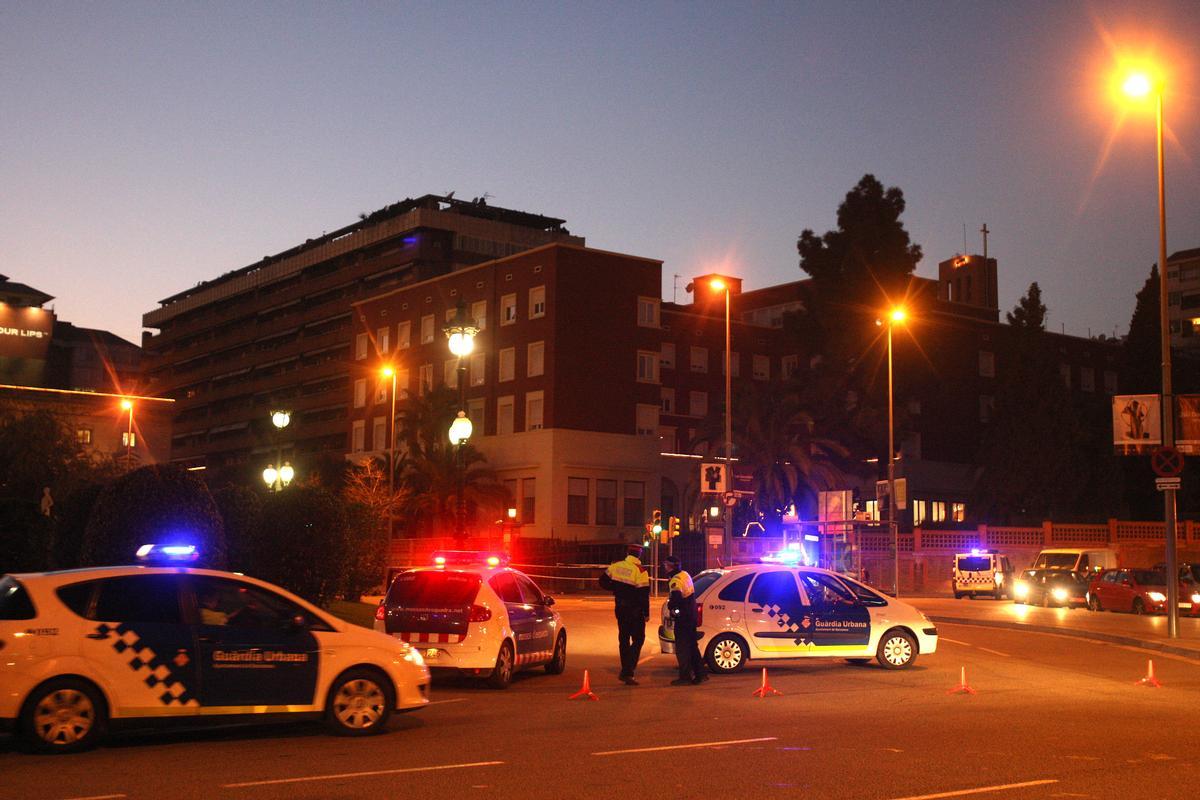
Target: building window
(83,435)
(1087,379)
(1064,371)
(577,501)
(508,364)
(958,512)
(762,368)
(918,512)
(648,312)
(360,392)
(635,503)
(987,407)
(535,359)
(647,367)
(528,498)
(647,420)
(478,369)
(668,400)
(534,408)
(789,365)
(537,302)
(698,404)
(361,346)
(450,373)
(666,357)
(871,509)
(424,379)
(381,390)
(699,359)
(606,502)
(1110,381)
(128,438)
(427,329)
(508,309)
(937,511)
(475,408)
(379,433)
(504,415)
(403,335)
(987,364)
(479,314)
(358,431)
(402,377)
(383,339)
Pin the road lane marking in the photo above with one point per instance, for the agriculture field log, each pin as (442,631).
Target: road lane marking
(372,773)
(686,746)
(440,702)
(981,790)
(993,652)
(100,797)
(954,641)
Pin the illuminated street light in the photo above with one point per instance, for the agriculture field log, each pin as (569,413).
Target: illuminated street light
(127,405)
(270,476)
(277,479)
(1138,84)
(461,334)
(281,419)
(460,429)
(718,284)
(286,473)
(390,372)
(895,317)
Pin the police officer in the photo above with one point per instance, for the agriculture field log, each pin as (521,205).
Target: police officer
(681,602)
(629,582)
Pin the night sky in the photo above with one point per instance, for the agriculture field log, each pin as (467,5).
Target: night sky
(146,147)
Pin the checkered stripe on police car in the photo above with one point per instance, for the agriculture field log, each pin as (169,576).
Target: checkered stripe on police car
(158,671)
(784,621)
(432,638)
(530,658)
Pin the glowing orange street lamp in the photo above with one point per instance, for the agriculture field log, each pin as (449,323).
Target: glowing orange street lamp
(127,405)
(390,372)
(718,284)
(895,317)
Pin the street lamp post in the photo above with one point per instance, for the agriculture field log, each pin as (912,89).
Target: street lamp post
(719,285)
(277,478)
(460,334)
(127,405)
(895,316)
(1139,85)
(390,372)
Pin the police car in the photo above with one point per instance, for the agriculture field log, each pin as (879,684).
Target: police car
(82,651)
(981,573)
(777,610)
(470,612)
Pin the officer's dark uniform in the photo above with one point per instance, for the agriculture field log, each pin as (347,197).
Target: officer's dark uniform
(682,604)
(629,582)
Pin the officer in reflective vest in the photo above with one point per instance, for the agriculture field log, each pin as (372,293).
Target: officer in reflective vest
(629,582)
(681,602)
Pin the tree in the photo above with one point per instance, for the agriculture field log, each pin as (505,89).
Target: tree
(240,508)
(869,257)
(156,504)
(1141,353)
(1030,312)
(37,450)
(302,543)
(369,503)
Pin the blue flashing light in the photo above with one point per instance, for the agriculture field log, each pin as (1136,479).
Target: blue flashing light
(974,551)
(176,553)
(811,537)
(788,556)
(793,546)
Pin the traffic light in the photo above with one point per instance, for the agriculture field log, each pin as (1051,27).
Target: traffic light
(673,526)
(656,522)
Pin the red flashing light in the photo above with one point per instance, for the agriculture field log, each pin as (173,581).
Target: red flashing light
(699,614)
(380,612)
(479,614)
(493,561)
(439,560)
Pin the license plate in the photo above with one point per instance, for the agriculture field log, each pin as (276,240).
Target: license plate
(432,654)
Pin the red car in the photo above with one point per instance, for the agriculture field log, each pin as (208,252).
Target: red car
(1138,591)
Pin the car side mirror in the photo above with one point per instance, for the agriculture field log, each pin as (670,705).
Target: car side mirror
(547,600)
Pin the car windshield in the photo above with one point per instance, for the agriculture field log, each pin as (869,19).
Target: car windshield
(974,563)
(1147,577)
(1058,560)
(704,580)
(433,589)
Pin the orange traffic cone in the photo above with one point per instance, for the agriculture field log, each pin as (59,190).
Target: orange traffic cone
(766,688)
(586,689)
(1149,680)
(962,687)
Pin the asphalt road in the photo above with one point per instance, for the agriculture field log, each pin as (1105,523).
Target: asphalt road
(1053,717)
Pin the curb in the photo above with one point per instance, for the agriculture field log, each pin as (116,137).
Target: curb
(1110,638)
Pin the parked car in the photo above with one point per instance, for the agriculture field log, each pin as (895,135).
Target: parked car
(1137,591)
(981,573)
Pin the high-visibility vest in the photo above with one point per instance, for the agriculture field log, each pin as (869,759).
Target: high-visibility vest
(681,582)
(630,572)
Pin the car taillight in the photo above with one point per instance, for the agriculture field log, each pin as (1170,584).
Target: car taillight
(479,614)
(380,612)
(699,614)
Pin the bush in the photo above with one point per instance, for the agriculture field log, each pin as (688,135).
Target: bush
(24,537)
(302,543)
(160,504)
(241,510)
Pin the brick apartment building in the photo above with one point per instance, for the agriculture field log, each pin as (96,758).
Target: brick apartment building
(279,333)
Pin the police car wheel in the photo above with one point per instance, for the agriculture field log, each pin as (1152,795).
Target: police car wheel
(897,650)
(360,703)
(558,661)
(726,654)
(63,716)
(502,673)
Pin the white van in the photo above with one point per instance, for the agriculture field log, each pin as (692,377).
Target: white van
(982,573)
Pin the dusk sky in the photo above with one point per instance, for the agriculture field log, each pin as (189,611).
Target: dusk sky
(147,147)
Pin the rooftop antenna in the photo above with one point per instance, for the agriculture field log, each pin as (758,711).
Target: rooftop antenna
(964,239)
(984,230)
(674,287)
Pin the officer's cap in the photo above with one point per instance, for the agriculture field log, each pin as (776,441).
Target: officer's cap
(634,549)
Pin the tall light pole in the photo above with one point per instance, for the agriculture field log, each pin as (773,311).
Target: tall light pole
(127,405)
(1139,85)
(895,317)
(718,285)
(460,334)
(390,372)
(277,478)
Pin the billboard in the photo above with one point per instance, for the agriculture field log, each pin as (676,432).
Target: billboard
(1187,431)
(24,344)
(1136,423)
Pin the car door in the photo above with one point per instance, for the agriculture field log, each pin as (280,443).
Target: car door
(841,623)
(256,648)
(138,642)
(777,614)
(521,617)
(541,642)
(1122,591)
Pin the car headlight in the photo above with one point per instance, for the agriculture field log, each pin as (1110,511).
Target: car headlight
(1157,597)
(1196,598)
(413,656)
(1021,589)
(1060,594)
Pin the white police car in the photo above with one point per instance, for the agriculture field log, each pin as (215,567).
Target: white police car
(775,610)
(471,613)
(85,650)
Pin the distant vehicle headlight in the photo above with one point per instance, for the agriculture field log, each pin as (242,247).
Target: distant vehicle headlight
(1196,598)
(1060,594)
(1157,597)
(1021,589)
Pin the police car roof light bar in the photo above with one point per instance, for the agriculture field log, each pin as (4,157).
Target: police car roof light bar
(158,553)
(442,558)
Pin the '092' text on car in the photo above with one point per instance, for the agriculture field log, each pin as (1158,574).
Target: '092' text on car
(773,611)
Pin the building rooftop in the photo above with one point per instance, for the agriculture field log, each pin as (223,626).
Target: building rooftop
(15,293)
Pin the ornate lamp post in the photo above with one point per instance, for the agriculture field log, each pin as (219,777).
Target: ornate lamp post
(460,334)
(277,479)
